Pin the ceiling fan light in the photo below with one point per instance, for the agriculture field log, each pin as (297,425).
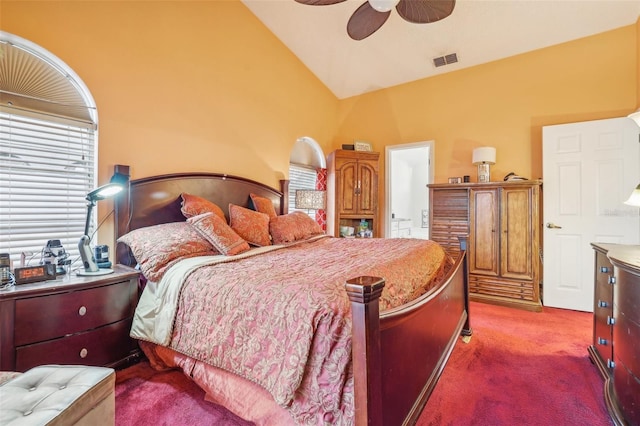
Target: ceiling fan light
(383,5)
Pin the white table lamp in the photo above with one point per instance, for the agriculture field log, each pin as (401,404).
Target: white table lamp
(483,157)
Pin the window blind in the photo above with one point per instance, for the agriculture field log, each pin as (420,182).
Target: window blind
(300,177)
(46,170)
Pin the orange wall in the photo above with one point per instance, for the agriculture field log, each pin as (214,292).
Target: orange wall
(183,85)
(502,104)
(205,86)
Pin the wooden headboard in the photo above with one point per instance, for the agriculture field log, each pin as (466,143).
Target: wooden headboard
(156,199)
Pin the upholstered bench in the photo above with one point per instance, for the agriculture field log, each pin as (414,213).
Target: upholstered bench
(58,395)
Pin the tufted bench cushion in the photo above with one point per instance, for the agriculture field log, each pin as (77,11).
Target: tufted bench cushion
(59,395)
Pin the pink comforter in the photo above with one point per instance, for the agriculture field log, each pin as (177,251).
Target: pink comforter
(282,319)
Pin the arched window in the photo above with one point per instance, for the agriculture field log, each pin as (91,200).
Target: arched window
(48,147)
(306,163)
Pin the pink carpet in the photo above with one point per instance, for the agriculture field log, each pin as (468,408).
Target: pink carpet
(520,368)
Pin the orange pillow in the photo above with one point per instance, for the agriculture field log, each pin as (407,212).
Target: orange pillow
(251,225)
(263,205)
(219,234)
(293,227)
(192,205)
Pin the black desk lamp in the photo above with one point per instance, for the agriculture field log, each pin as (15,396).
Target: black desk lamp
(88,259)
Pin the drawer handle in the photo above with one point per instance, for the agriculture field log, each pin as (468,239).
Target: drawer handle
(603,304)
(610,364)
(83,353)
(612,280)
(82,311)
(604,269)
(602,341)
(611,320)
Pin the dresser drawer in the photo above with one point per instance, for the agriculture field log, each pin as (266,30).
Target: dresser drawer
(100,346)
(48,317)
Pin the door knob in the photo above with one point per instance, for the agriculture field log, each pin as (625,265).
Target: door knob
(553,226)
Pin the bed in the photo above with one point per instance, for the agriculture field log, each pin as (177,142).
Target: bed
(386,367)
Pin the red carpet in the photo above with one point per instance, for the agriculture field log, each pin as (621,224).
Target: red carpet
(520,368)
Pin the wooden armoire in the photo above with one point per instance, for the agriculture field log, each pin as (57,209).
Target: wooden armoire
(352,190)
(503,223)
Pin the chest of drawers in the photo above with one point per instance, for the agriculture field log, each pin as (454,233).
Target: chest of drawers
(71,320)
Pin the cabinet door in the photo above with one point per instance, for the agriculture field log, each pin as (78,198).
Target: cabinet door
(484,240)
(347,179)
(517,228)
(367,188)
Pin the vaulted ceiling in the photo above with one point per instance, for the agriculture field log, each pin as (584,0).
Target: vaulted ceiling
(478,31)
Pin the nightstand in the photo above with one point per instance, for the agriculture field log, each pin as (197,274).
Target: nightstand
(70,320)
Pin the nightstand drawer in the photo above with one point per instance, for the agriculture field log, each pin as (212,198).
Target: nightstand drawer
(99,346)
(47,317)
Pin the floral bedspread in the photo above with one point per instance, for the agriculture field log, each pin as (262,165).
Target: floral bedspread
(282,319)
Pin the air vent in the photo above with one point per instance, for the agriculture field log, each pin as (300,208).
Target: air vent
(440,61)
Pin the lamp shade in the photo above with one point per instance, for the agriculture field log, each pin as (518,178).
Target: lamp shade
(309,199)
(634,198)
(104,192)
(635,116)
(484,155)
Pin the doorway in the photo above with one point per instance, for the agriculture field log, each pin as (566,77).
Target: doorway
(409,169)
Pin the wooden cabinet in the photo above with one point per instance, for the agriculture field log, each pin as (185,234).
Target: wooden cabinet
(352,190)
(601,350)
(449,215)
(620,277)
(503,223)
(71,320)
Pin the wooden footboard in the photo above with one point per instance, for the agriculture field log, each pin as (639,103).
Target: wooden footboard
(399,356)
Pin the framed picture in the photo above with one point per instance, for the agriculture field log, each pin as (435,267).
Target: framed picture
(455,180)
(362,146)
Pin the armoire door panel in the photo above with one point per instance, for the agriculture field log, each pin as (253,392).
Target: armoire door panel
(516,241)
(348,181)
(485,238)
(366,188)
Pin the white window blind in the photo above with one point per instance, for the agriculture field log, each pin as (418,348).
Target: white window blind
(300,177)
(46,171)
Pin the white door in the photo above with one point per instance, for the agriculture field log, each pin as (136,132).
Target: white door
(589,170)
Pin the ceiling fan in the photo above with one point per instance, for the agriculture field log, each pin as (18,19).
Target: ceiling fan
(370,16)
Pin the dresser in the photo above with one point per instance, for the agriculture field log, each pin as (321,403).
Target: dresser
(502,220)
(70,320)
(352,190)
(615,349)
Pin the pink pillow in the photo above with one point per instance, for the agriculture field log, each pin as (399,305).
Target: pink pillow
(293,227)
(192,205)
(251,225)
(219,234)
(263,205)
(158,247)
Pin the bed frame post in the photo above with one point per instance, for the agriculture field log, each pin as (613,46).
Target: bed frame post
(121,210)
(466,329)
(364,293)
(284,202)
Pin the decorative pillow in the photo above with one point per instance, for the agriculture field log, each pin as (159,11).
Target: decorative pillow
(263,205)
(192,205)
(158,247)
(219,234)
(293,227)
(251,225)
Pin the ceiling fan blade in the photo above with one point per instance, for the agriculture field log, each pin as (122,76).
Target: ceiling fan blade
(319,2)
(425,11)
(365,21)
